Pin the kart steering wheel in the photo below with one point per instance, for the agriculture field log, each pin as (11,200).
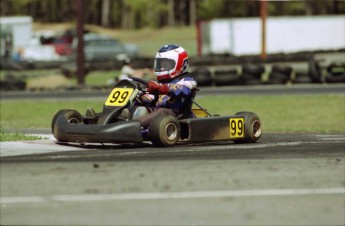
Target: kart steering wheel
(139,80)
(144,82)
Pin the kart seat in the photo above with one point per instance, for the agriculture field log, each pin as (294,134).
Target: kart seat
(187,104)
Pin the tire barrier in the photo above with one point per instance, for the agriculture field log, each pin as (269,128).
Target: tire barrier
(226,77)
(11,82)
(335,73)
(314,71)
(280,74)
(202,76)
(302,77)
(251,74)
(254,70)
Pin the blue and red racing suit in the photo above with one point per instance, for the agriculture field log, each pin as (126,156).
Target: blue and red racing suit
(171,102)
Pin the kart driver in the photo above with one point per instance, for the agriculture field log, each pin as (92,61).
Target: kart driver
(174,84)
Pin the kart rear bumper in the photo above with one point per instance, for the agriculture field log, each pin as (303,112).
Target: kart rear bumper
(119,132)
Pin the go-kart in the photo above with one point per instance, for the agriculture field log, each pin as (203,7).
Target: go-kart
(119,122)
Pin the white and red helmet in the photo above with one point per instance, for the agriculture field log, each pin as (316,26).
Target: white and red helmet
(171,61)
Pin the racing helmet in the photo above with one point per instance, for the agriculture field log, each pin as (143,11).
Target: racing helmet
(171,61)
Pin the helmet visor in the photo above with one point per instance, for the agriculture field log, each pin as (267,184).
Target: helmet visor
(163,64)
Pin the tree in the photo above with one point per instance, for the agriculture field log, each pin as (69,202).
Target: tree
(130,14)
(171,13)
(192,12)
(105,13)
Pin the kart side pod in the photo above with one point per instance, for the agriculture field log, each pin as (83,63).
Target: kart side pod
(244,127)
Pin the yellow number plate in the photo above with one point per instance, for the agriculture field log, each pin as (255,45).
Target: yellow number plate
(119,97)
(236,127)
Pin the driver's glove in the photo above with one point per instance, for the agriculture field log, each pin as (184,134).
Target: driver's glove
(158,88)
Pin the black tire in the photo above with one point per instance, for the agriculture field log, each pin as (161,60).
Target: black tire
(314,71)
(252,127)
(230,77)
(247,76)
(286,70)
(203,79)
(281,76)
(20,85)
(202,76)
(302,78)
(255,70)
(164,131)
(335,78)
(275,81)
(278,78)
(336,68)
(71,115)
(249,82)
(336,73)
(250,79)
(225,72)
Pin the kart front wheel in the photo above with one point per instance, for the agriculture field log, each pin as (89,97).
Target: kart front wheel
(72,117)
(164,131)
(252,127)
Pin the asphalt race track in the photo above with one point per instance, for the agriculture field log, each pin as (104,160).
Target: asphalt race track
(285,179)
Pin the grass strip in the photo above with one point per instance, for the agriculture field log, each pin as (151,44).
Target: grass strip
(18,137)
(285,113)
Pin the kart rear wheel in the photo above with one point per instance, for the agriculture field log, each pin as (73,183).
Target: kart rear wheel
(252,127)
(164,131)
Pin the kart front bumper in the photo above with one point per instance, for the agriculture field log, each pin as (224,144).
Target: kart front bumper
(119,132)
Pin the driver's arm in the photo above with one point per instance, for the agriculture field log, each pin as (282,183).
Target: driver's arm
(181,88)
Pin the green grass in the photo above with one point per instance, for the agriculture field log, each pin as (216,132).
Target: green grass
(99,78)
(17,136)
(291,113)
(34,114)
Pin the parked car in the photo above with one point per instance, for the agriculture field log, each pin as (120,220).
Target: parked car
(99,47)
